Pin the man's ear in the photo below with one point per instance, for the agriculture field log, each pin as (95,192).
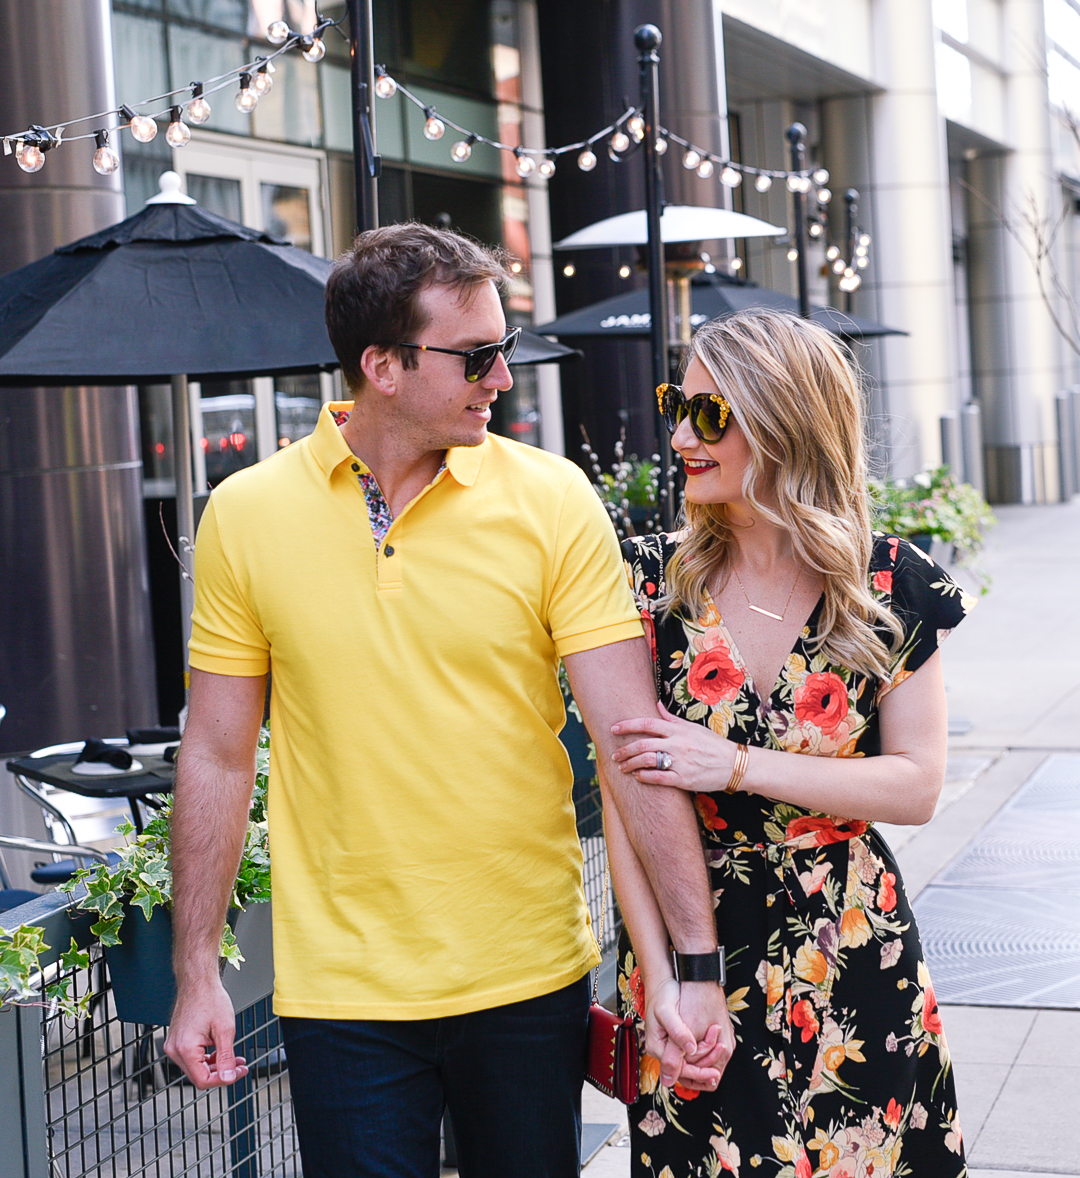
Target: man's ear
(380,367)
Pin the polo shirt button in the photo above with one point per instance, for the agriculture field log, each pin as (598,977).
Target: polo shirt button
(388,550)
(356,466)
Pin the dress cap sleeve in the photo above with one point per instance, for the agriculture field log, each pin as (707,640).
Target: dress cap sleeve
(922,595)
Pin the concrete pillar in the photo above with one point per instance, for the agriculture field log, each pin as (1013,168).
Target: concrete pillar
(75,631)
(913,243)
(1026,422)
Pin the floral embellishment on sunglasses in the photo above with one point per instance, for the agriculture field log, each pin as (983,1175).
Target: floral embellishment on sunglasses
(709,413)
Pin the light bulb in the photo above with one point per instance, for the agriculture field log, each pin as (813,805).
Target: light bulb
(763,183)
(636,127)
(178,132)
(705,169)
(862,261)
(798,184)
(385,86)
(30,157)
(815,229)
(620,141)
(661,146)
(824,195)
(624,271)
(525,164)
(546,167)
(864,239)
(821,176)
(691,159)
(434,127)
(569,270)
(262,83)
(106,161)
(246,98)
(198,109)
(839,266)
(316,51)
(461,151)
(586,162)
(731,177)
(278,33)
(736,264)
(861,251)
(793,255)
(832,253)
(143,128)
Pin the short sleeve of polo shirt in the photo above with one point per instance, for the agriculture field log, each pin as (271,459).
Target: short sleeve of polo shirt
(226,638)
(590,602)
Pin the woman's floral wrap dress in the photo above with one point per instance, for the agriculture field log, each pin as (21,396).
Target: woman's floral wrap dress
(841,1066)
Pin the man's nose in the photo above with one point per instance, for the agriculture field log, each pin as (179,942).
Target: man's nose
(500,377)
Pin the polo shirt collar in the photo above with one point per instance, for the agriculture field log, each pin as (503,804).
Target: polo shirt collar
(330,449)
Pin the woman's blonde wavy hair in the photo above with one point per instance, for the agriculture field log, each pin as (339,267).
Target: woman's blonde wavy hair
(794,390)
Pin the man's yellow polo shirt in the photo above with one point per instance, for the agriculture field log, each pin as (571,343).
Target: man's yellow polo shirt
(422,833)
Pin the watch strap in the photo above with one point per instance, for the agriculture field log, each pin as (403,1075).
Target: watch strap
(700,967)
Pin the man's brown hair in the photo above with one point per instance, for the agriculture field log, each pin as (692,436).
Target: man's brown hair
(372,295)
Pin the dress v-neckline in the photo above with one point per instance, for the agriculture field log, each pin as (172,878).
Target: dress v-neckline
(764,701)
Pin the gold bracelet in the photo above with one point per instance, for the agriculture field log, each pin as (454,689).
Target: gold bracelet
(738,771)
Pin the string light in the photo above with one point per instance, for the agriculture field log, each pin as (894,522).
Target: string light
(30,157)
(198,109)
(314,50)
(862,261)
(661,146)
(636,127)
(798,183)
(691,159)
(569,270)
(586,161)
(385,86)
(824,195)
(839,266)
(793,254)
(832,253)
(142,127)
(731,177)
(246,98)
(624,271)
(619,142)
(763,183)
(261,83)
(462,150)
(524,164)
(736,264)
(546,167)
(821,177)
(705,169)
(434,127)
(178,132)
(106,161)
(278,33)
(815,229)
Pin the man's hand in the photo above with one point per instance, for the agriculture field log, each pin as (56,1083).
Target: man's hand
(684,1058)
(200,1039)
(704,1005)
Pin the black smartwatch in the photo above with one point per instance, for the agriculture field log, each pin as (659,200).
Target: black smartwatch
(700,967)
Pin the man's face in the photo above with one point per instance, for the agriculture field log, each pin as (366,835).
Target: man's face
(438,406)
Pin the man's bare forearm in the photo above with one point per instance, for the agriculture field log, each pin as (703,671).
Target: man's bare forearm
(609,684)
(215,775)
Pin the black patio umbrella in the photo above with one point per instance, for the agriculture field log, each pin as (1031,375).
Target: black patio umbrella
(628,314)
(170,293)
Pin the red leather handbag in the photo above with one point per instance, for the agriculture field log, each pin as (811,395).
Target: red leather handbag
(612,1055)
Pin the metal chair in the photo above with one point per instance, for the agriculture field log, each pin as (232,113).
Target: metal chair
(14,897)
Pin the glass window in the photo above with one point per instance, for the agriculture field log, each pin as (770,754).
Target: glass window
(223,14)
(951,16)
(216,194)
(142,165)
(1063,26)
(483,117)
(953,83)
(139,58)
(156,428)
(468,205)
(297,402)
(287,213)
(228,442)
(297,14)
(290,112)
(440,39)
(194,56)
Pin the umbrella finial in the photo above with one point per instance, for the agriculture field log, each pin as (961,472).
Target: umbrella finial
(170,194)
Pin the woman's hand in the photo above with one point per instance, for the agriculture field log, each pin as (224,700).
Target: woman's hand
(684,1060)
(701,761)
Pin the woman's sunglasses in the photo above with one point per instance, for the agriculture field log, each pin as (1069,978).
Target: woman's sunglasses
(478,361)
(709,413)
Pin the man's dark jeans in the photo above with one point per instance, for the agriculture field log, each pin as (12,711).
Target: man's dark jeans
(369,1095)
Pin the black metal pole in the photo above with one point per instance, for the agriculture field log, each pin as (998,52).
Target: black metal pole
(851,199)
(365,160)
(647,40)
(796,134)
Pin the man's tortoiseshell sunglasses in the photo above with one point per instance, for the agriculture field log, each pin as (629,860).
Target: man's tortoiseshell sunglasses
(478,361)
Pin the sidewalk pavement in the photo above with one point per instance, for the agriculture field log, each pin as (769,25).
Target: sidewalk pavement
(1012,674)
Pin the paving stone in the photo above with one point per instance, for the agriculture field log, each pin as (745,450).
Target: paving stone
(1033,1126)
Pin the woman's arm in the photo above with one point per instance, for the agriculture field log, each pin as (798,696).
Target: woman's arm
(901,785)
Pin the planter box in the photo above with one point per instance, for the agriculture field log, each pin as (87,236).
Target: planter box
(140,967)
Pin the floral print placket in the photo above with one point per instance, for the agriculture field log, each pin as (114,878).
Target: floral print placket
(841,1067)
(379,512)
